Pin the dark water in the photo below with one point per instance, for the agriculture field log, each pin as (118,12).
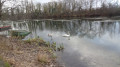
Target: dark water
(91,43)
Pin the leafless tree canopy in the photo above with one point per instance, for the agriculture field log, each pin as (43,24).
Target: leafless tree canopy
(24,9)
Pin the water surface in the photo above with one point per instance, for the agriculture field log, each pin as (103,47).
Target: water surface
(91,43)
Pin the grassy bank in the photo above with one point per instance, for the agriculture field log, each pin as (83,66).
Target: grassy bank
(29,53)
(4,63)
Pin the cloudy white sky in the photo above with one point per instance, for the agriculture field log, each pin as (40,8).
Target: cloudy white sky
(44,1)
(8,4)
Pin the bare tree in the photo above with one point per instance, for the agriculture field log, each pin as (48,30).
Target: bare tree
(26,9)
(2,2)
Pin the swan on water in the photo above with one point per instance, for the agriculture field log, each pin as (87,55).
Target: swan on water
(50,35)
(67,35)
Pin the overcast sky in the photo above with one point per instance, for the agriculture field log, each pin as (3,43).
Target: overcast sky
(44,1)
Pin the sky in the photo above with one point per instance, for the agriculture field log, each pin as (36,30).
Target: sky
(35,1)
(46,1)
(43,1)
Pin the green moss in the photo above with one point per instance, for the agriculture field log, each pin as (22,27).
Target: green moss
(7,64)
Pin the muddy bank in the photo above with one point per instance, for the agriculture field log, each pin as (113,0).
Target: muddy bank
(20,53)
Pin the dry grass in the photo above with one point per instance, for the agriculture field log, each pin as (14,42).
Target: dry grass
(25,54)
(11,61)
(43,58)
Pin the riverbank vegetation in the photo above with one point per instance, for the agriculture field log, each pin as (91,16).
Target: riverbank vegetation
(28,53)
(3,63)
(24,9)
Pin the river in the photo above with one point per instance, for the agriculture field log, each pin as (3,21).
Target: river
(91,43)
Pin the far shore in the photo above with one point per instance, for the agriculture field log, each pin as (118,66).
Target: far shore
(68,18)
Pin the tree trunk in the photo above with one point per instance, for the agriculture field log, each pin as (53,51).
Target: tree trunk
(0,9)
(0,14)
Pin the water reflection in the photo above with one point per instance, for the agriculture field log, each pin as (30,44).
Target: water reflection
(91,43)
(89,29)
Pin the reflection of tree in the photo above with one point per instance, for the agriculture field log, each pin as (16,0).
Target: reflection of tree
(82,28)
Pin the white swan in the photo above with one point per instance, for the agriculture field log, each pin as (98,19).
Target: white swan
(50,35)
(67,35)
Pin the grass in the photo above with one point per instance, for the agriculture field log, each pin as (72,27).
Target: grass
(43,58)
(41,42)
(61,47)
(54,56)
(47,49)
(6,64)
(54,46)
(37,41)
(3,44)
(47,44)
(42,52)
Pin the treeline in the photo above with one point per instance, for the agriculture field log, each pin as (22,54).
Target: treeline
(62,9)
